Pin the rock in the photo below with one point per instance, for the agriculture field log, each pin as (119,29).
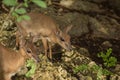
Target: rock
(106,44)
(79,22)
(115,77)
(88,78)
(87,18)
(80,5)
(91,64)
(66,3)
(117,69)
(104,29)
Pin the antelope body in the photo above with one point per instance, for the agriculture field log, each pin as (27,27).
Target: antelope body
(11,61)
(44,27)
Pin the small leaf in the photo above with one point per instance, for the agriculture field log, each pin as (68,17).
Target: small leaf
(106,72)
(95,67)
(80,68)
(99,74)
(32,65)
(15,14)
(19,19)
(20,11)
(10,2)
(40,3)
(109,50)
(25,4)
(26,17)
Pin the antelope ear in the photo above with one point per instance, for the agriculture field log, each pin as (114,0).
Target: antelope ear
(68,28)
(58,33)
(22,42)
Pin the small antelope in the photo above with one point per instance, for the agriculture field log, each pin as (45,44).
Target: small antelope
(11,61)
(44,27)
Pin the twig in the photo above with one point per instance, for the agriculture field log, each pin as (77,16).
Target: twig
(3,6)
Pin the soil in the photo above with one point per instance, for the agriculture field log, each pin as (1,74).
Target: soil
(94,46)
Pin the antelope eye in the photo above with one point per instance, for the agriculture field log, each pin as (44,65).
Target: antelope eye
(29,50)
(62,39)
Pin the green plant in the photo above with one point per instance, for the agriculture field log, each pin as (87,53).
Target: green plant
(109,61)
(100,72)
(13,3)
(18,10)
(31,64)
(80,68)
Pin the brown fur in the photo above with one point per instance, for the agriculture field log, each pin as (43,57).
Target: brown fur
(11,61)
(44,27)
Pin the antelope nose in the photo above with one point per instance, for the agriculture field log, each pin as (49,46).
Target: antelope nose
(37,59)
(69,48)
